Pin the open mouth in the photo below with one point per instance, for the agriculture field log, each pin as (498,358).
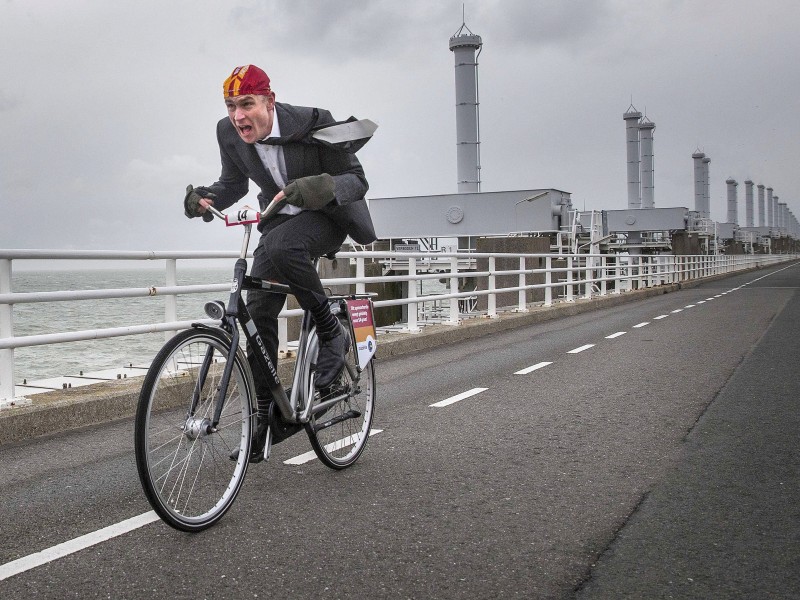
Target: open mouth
(245,129)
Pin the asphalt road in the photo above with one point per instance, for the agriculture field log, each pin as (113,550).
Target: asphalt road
(656,463)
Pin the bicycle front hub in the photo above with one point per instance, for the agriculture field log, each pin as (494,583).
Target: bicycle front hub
(196,427)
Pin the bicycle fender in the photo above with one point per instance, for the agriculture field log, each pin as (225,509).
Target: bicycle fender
(214,328)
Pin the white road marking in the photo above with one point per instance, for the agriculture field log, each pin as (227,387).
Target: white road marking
(689,306)
(701,301)
(533,368)
(637,326)
(659,317)
(458,398)
(677,310)
(337,445)
(615,335)
(15,567)
(581,349)
(709,299)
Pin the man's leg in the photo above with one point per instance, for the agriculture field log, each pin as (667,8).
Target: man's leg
(289,247)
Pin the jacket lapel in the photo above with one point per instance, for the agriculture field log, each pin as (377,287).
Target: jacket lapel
(257,169)
(292,153)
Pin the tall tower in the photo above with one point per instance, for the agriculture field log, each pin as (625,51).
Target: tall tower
(631,118)
(770,208)
(733,201)
(464,45)
(699,184)
(646,129)
(707,187)
(748,203)
(762,218)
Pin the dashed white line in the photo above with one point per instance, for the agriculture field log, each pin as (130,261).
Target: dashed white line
(638,325)
(15,567)
(580,349)
(709,299)
(689,306)
(615,335)
(532,368)
(701,301)
(677,310)
(458,398)
(659,317)
(337,445)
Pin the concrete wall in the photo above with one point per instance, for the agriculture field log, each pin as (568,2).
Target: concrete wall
(684,244)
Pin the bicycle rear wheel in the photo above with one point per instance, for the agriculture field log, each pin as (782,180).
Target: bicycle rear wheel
(342,414)
(183,462)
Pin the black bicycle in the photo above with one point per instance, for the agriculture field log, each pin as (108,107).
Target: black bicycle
(197,404)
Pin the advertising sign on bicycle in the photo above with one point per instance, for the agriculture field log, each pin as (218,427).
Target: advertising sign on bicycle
(360,312)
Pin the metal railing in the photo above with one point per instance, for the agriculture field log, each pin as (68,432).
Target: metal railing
(560,277)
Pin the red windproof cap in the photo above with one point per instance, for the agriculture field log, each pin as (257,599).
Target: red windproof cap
(248,79)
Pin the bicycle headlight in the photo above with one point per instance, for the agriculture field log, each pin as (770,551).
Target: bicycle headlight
(215,309)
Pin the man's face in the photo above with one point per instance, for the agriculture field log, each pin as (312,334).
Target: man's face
(251,115)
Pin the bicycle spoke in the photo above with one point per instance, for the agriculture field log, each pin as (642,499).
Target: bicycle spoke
(183,462)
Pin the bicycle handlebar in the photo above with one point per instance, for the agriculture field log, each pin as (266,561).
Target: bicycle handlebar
(245,216)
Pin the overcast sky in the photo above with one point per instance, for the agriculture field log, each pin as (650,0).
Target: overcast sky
(108,109)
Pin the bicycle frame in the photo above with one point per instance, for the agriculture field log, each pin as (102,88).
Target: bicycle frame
(294,408)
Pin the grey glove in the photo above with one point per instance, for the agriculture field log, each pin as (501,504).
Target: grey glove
(191,202)
(311,192)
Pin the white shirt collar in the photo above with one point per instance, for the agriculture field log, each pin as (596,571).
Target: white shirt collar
(276,128)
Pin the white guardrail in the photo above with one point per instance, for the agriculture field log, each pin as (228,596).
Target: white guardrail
(562,277)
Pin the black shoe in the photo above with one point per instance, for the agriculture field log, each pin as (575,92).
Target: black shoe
(331,358)
(259,441)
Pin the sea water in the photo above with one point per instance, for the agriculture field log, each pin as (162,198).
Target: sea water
(70,358)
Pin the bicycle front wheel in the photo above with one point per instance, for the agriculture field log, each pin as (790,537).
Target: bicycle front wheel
(342,414)
(184,460)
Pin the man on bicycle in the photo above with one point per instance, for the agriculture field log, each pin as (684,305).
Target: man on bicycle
(323,187)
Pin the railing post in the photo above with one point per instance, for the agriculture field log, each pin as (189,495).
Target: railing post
(283,333)
(588,278)
(569,280)
(412,295)
(675,260)
(455,316)
(171,301)
(6,331)
(603,276)
(283,336)
(548,281)
(361,286)
(640,268)
(492,298)
(521,297)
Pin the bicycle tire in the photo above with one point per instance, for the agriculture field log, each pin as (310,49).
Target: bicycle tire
(184,467)
(339,434)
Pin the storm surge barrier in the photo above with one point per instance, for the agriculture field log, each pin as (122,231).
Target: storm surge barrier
(466,285)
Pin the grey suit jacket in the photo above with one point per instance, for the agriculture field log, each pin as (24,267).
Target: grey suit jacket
(241,163)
